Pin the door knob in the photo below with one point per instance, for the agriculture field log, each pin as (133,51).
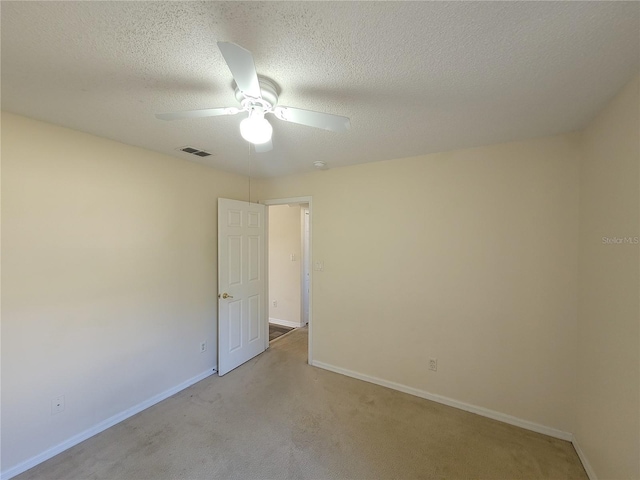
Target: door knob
(225,295)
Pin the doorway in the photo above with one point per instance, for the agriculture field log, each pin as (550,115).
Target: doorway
(289,278)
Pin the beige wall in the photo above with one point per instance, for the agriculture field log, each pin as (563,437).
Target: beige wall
(284,274)
(467,256)
(109,277)
(608,399)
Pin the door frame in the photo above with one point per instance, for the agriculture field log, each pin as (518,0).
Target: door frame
(305,271)
(285,201)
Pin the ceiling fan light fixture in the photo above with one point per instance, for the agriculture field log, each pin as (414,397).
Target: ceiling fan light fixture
(255,128)
(259,96)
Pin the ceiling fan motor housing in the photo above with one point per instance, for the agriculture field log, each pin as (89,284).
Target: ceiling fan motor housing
(269,91)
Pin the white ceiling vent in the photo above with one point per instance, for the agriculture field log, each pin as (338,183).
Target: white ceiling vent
(194,151)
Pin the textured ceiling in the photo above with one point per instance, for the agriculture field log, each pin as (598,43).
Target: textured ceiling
(413,77)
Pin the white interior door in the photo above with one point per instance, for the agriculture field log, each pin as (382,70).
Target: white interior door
(241,283)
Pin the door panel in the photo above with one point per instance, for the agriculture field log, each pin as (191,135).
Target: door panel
(235,260)
(241,283)
(235,325)
(254,258)
(254,318)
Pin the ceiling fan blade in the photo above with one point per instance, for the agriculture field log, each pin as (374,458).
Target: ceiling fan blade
(262,147)
(206,112)
(326,121)
(240,62)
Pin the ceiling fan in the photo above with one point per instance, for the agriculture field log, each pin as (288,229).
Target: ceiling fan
(259,96)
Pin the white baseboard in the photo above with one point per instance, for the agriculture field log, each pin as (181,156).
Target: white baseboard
(76,439)
(485,412)
(284,323)
(100,427)
(583,458)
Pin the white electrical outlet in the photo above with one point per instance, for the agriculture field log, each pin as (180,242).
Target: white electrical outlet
(203,347)
(57,405)
(433,364)
(275,303)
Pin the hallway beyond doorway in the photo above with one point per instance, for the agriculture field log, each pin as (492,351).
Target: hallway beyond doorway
(276,331)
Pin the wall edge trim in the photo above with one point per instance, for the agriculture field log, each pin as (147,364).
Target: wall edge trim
(485,412)
(102,426)
(284,323)
(583,458)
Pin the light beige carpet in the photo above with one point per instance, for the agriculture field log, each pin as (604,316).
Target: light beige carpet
(278,418)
